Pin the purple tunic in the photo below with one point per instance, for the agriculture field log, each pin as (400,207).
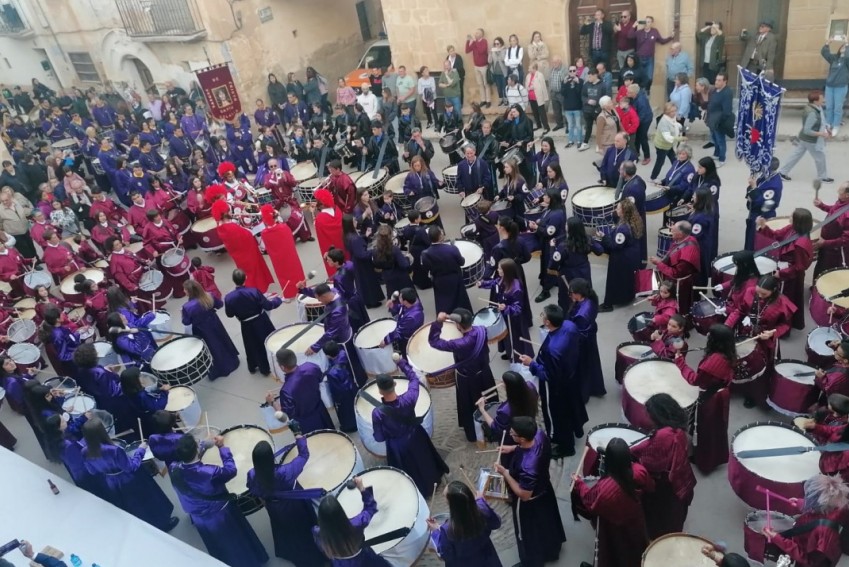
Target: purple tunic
(635,189)
(624,258)
(128,486)
(100,383)
(300,398)
(192,126)
(589,362)
(365,557)
(224,530)
(206,325)
(571,265)
(475,552)
(337,327)
(345,286)
(343,390)
(292,519)
(517,318)
(251,308)
(471,358)
(368,283)
(445,264)
(395,271)
(536,522)
(14,386)
(408,446)
(409,321)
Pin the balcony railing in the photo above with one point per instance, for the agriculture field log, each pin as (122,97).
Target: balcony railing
(162,20)
(12,23)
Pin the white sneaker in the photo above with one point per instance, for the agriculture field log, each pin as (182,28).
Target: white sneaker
(583,147)
(835,130)
(719,164)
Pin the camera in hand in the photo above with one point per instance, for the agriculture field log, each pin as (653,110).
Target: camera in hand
(9,547)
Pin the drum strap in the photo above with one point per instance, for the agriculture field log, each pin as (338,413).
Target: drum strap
(388,536)
(392,412)
(811,526)
(790,239)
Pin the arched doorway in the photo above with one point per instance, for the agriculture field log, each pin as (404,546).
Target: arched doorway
(579,10)
(145,75)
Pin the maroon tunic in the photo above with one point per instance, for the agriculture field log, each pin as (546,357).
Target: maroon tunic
(819,547)
(664,346)
(61,261)
(713,376)
(205,276)
(832,462)
(734,296)
(12,266)
(835,240)
(113,212)
(681,265)
(36,231)
(138,214)
(663,310)
(666,456)
(344,192)
(100,232)
(798,254)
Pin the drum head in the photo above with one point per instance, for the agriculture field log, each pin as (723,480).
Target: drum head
(746,348)
(677,550)
(500,206)
(303,171)
(831,283)
(665,232)
(600,436)
(37,277)
(368,179)
(179,398)
(486,317)
(704,308)
(725,264)
(372,334)
(204,225)
(396,182)
(790,369)
(645,378)
(426,358)
(21,330)
(424,204)
(176,354)
(450,170)
(25,303)
(333,458)
(765,265)
(772,435)
(777,223)
(633,350)
(470,200)
(241,441)
(594,197)
(151,280)
(364,408)
(471,251)
(24,353)
(80,403)
(819,338)
(280,337)
(756,521)
(103,349)
(172,257)
(63,383)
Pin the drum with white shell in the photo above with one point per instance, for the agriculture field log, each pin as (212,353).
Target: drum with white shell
(374,358)
(161,322)
(205,233)
(66,386)
(333,460)
(399,505)
(183,401)
(22,331)
(677,550)
(819,353)
(182,362)
(25,356)
(792,390)
(280,337)
(754,540)
(449,176)
(784,475)
(364,408)
(106,355)
(373,182)
(79,404)
(645,378)
(429,362)
(473,262)
(600,435)
(396,185)
(723,269)
(36,278)
(309,308)
(628,353)
(67,287)
(496,326)
(594,205)
(470,205)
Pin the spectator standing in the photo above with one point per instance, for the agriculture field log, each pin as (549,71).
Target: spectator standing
(836,85)
(719,113)
(573,104)
(678,61)
(712,42)
(426,87)
(498,68)
(682,97)
(628,120)
(406,86)
(555,85)
(456,63)
(666,137)
(606,78)
(591,93)
(389,80)
(538,97)
(538,53)
(607,124)
(647,38)
(759,55)
(479,48)
(625,37)
(812,139)
(514,57)
(451,85)
(698,108)
(345,95)
(601,36)
(515,92)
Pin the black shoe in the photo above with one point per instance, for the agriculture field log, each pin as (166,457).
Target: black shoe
(569,145)
(605,308)
(252,370)
(311,239)
(708,146)
(505,356)
(546,131)
(537,128)
(558,451)
(485,105)
(556,128)
(266,374)
(172,523)
(749,403)
(543,295)
(827,180)
(784,177)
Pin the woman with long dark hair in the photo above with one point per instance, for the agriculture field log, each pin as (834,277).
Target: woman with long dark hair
(570,259)
(140,403)
(708,177)
(390,262)
(95,302)
(623,249)
(798,254)
(551,227)
(344,283)
(614,502)
(713,377)
(668,340)
(463,540)
(515,189)
(13,382)
(127,485)
(276,94)
(583,314)
(703,226)
(745,278)
(522,400)
(120,303)
(133,345)
(292,516)
(665,455)
(41,403)
(200,316)
(364,213)
(367,280)
(508,292)
(509,246)
(545,157)
(68,436)
(60,341)
(341,539)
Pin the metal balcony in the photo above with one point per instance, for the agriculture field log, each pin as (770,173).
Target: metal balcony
(162,20)
(12,23)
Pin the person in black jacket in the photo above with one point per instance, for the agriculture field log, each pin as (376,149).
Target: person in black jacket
(521,134)
(600,38)
(591,93)
(571,90)
(372,149)
(407,122)
(418,146)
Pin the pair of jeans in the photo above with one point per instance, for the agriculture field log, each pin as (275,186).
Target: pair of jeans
(483,86)
(641,139)
(719,142)
(661,157)
(576,126)
(540,114)
(600,55)
(834,99)
(648,68)
(500,85)
(817,152)
(557,110)
(455,100)
(589,120)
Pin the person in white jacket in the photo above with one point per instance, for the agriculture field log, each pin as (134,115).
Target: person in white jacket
(515,92)
(368,101)
(538,97)
(513,58)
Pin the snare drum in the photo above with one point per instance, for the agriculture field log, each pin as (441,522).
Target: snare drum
(303,171)
(175,262)
(429,362)
(376,359)
(264,196)
(677,550)
(469,232)
(428,208)
(514,155)
(754,540)
(784,476)
(792,390)
(278,338)
(183,401)
(79,404)
(333,460)
(671,216)
(819,353)
(396,185)
(491,408)
(496,326)
(751,363)
(182,362)
(36,278)
(664,241)
(502,207)
(449,142)
(594,205)
(22,331)
(373,183)
(25,304)
(723,268)
(67,386)
(492,485)
(534,214)
(627,354)
(309,308)
(645,378)
(304,192)
(704,315)
(640,327)
(106,355)
(25,355)
(205,233)
(151,281)
(161,322)
(67,286)
(656,199)
(449,177)
(470,205)
(472,253)
(363,408)
(598,438)
(399,505)
(241,440)
(827,289)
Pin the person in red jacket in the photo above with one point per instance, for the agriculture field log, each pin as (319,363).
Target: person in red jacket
(665,304)
(668,342)
(280,245)
(205,276)
(681,263)
(12,268)
(629,120)
(342,188)
(60,259)
(835,380)
(328,226)
(243,248)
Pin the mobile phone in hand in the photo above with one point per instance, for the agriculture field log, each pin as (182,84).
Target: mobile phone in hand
(11,546)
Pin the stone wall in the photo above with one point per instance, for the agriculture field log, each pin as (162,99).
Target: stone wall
(808,22)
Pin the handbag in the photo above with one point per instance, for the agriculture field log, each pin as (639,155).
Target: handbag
(490,79)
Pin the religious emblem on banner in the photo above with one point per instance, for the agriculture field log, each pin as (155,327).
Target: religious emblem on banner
(757,120)
(220,92)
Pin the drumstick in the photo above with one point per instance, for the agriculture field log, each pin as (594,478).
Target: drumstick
(494,388)
(206,420)
(141,433)
(490,396)
(433,498)
(579,467)
(705,288)
(643,300)
(768,519)
(127,432)
(487,451)
(708,300)
(487,301)
(529,341)
(468,480)
(501,447)
(830,315)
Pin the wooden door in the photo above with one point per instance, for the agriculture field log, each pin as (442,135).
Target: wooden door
(579,10)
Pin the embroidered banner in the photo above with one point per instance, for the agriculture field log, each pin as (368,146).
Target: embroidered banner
(220,92)
(757,119)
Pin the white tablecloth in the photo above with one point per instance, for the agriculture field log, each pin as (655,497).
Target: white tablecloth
(76,522)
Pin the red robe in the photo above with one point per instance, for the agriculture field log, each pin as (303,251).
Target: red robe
(205,276)
(328,230)
(97,307)
(713,377)
(836,382)
(166,201)
(734,296)
(819,547)
(113,212)
(127,269)
(835,240)
(61,261)
(663,347)
(138,214)
(682,264)
(197,205)
(344,192)
(13,264)
(663,310)
(280,245)
(159,238)
(36,231)
(834,462)
(282,185)
(665,455)
(244,250)
(798,255)
(100,233)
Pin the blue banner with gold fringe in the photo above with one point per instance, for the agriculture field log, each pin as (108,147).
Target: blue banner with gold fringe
(757,120)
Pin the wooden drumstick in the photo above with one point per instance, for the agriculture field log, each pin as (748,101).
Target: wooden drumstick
(491,395)
(494,388)
(501,447)
(141,433)
(488,301)
(708,300)
(206,420)
(830,314)
(579,467)
(529,341)
(472,486)
(486,451)
(643,300)
(433,498)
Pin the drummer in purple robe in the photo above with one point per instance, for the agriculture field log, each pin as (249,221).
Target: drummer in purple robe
(344,284)
(634,188)
(522,399)
(463,540)
(136,403)
(289,506)
(127,485)
(337,327)
(300,396)
(200,316)
(508,300)
(67,433)
(471,359)
(203,495)
(549,229)
(408,446)
(343,387)
(583,314)
(614,157)
(408,312)
(563,409)
(536,519)
(474,175)
(134,346)
(251,308)
(104,385)
(445,263)
(164,436)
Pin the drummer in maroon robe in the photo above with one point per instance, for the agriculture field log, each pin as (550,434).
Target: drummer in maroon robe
(13,266)
(614,506)
(342,188)
(833,243)
(39,227)
(137,213)
(665,455)
(101,202)
(408,446)
(328,226)
(745,278)
(60,259)
(300,395)
(670,341)
(243,248)
(835,380)
(104,228)
(445,263)
(280,246)
(251,308)
(536,519)
(471,360)
(337,327)
(159,237)
(127,269)
(681,263)
(205,276)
